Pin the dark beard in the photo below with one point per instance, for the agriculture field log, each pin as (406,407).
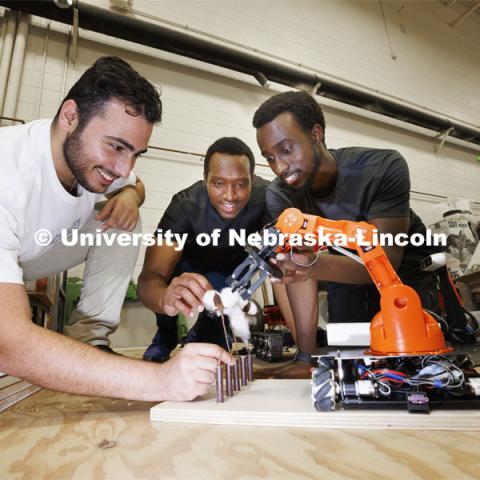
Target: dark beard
(76,161)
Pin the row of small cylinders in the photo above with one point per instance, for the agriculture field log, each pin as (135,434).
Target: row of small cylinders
(236,376)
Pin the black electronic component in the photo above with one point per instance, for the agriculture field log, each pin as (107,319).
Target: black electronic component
(350,379)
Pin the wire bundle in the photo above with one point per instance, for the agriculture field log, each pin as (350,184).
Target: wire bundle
(432,372)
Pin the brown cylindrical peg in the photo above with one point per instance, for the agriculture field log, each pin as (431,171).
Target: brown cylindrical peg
(219,384)
(243,366)
(236,374)
(229,380)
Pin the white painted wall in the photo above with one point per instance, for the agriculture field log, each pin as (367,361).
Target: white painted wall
(435,67)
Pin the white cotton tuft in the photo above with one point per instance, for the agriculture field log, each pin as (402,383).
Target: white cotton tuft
(233,304)
(229,298)
(241,302)
(251,308)
(239,323)
(208,301)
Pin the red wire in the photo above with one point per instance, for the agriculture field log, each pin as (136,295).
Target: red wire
(393,380)
(386,370)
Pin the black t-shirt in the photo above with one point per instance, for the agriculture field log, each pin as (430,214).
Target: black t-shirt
(191,212)
(371,183)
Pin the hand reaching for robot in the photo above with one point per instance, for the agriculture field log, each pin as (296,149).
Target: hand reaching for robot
(296,266)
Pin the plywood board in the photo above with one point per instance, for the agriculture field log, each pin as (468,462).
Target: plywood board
(287,403)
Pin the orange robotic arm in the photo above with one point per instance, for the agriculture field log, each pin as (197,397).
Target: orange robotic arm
(402,326)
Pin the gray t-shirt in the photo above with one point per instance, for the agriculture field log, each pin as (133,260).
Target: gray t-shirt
(371,183)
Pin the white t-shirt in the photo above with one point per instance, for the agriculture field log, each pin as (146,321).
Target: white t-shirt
(32,197)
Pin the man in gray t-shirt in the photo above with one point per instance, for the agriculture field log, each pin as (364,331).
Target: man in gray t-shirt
(357,184)
(370,184)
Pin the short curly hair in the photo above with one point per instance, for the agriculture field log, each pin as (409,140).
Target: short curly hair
(301,105)
(230,146)
(113,78)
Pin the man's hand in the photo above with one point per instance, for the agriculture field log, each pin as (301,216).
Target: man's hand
(185,294)
(297,270)
(121,211)
(292,370)
(191,372)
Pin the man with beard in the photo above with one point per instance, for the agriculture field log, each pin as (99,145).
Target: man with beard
(55,173)
(358,184)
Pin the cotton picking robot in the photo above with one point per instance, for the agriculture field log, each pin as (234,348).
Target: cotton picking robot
(408,363)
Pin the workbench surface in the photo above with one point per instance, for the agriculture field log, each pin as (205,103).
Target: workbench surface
(55,435)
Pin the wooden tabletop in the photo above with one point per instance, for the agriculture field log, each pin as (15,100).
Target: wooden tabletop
(53,435)
(61,436)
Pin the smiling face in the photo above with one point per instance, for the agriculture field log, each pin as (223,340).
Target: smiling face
(107,147)
(229,183)
(293,154)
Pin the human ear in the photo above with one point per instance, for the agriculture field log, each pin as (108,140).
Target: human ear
(317,133)
(68,116)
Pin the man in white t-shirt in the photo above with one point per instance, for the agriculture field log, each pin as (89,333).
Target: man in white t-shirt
(55,172)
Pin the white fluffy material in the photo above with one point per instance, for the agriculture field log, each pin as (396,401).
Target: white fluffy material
(230,299)
(252,308)
(239,324)
(208,302)
(233,305)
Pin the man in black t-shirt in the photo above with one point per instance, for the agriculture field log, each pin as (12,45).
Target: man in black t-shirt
(174,281)
(357,184)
